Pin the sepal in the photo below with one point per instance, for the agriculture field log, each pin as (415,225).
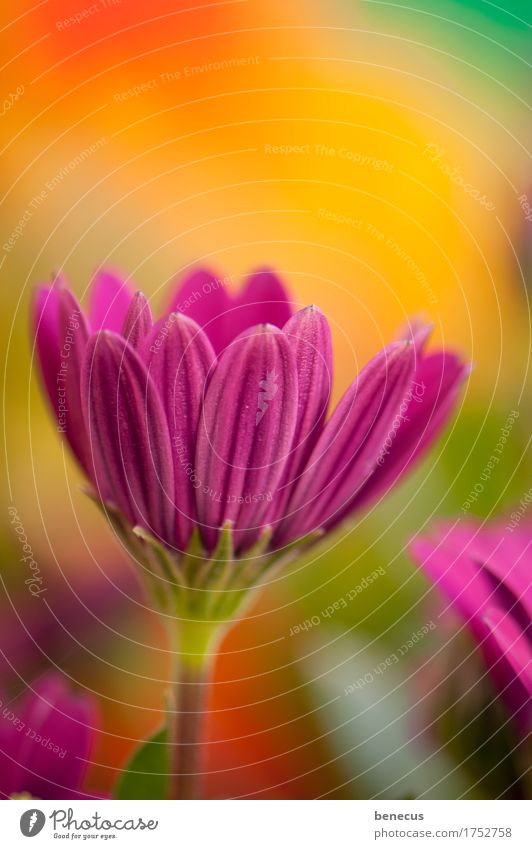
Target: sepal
(194,586)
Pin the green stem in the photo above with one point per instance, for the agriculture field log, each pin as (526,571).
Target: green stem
(192,683)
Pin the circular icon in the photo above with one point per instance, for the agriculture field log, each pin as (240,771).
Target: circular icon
(32,822)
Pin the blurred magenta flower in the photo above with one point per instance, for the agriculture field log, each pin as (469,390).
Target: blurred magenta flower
(485,572)
(45,740)
(176,438)
(83,611)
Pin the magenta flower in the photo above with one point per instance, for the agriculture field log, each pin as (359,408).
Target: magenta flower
(206,441)
(485,572)
(215,416)
(45,740)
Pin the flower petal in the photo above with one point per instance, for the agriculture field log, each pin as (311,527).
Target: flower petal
(455,574)
(45,326)
(245,434)
(206,298)
(61,334)
(129,435)
(310,338)
(416,330)
(138,321)
(109,301)
(49,713)
(434,390)
(180,358)
(505,558)
(350,443)
(509,660)
(512,643)
(203,297)
(263,300)
(486,578)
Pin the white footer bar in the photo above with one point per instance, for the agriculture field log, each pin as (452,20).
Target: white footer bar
(267,824)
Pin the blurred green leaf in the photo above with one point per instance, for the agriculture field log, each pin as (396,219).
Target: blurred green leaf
(146,775)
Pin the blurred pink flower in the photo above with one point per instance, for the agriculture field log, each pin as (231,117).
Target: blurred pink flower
(82,611)
(485,572)
(45,740)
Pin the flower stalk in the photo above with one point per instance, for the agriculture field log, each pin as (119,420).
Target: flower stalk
(186,719)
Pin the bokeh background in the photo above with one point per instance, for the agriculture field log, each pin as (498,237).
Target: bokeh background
(154,137)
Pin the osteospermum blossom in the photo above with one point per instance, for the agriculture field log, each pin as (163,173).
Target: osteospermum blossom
(486,574)
(207,432)
(45,740)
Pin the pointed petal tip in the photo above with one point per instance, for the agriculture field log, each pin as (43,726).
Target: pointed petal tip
(312,308)
(45,289)
(416,322)
(105,338)
(185,320)
(58,278)
(310,322)
(256,330)
(396,349)
(422,334)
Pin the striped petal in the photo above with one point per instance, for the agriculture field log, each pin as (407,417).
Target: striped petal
(416,330)
(245,434)
(349,446)
(138,321)
(433,394)
(61,333)
(129,435)
(45,326)
(310,339)
(109,301)
(180,359)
